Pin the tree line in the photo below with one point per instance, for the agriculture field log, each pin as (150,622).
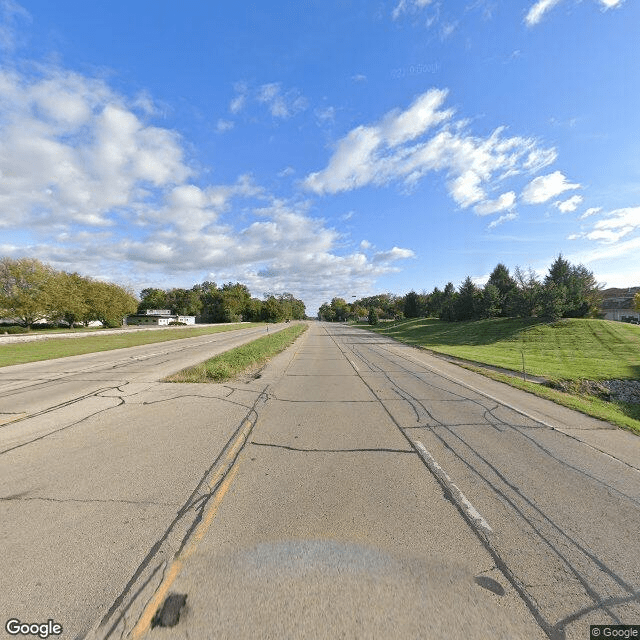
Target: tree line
(567,291)
(232,302)
(31,291)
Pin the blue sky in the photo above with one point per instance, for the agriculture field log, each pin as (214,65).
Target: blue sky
(321,148)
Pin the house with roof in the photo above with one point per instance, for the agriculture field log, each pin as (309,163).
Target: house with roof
(158,317)
(617,304)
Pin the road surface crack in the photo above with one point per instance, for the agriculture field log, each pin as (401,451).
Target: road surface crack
(309,450)
(23,498)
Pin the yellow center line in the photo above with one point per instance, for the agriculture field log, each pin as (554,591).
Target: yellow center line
(144,622)
(7,418)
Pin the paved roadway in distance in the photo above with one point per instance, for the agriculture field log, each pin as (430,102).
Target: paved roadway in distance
(359,488)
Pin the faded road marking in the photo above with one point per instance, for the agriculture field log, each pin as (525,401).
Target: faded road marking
(461,500)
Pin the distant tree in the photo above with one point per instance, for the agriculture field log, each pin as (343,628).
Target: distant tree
(69,292)
(26,290)
(152,299)
(491,303)
(109,303)
(411,305)
(505,284)
(525,300)
(184,302)
(358,311)
(373,316)
(326,313)
(554,300)
(272,310)
(253,310)
(467,302)
(581,291)
(436,299)
(636,301)
(340,309)
(447,309)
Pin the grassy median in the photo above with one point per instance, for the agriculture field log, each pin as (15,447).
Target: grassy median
(232,363)
(21,352)
(567,353)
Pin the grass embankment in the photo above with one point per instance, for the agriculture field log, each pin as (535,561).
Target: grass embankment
(236,361)
(565,353)
(21,352)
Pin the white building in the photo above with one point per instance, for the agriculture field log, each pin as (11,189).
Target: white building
(158,317)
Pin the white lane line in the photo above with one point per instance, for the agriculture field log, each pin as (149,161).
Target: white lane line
(478,391)
(471,512)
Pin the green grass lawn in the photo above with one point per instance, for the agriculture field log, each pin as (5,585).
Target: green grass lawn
(573,349)
(21,352)
(231,363)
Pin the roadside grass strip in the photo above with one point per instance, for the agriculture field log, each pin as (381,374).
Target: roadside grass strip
(565,353)
(234,362)
(22,352)
(572,349)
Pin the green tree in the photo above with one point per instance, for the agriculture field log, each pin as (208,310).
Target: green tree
(340,309)
(26,290)
(447,309)
(152,299)
(184,302)
(272,310)
(326,313)
(491,304)
(525,300)
(467,302)
(109,303)
(373,316)
(505,284)
(581,291)
(636,301)
(411,305)
(554,301)
(69,292)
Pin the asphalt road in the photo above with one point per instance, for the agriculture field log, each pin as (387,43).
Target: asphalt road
(358,488)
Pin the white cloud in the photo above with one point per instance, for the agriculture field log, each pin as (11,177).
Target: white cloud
(365,244)
(544,188)
(71,151)
(395,149)
(239,101)
(327,114)
(541,7)
(590,212)
(466,189)
(566,206)
(505,201)
(394,254)
(614,226)
(224,125)
(537,11)
(281,104)
(104,193)
(359,77)
(286,172)
(505,218)
(409,6)
(10,13)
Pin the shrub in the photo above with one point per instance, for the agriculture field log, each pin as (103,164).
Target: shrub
(177,323)
(14,329)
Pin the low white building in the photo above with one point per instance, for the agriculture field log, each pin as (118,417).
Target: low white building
(158,317)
